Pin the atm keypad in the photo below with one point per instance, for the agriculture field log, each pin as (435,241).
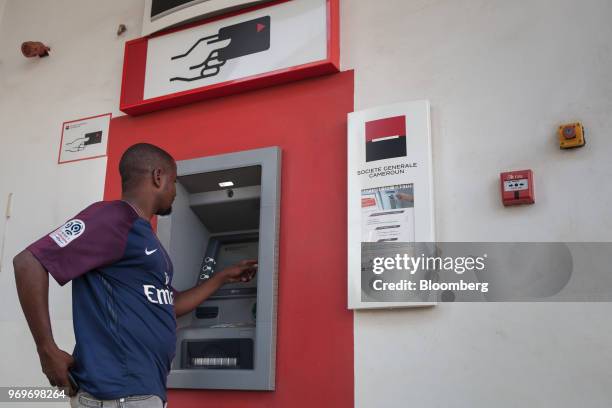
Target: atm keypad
(208,268)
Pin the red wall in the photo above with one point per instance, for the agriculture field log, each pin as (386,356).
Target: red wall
(307,119)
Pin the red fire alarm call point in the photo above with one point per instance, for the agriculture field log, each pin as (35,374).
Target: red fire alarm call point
(517,187)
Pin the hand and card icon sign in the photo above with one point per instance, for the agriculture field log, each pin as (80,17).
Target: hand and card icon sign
(85,138)
(231,42)
(79,143)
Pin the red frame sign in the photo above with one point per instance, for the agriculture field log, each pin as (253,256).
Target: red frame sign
(132,99)
(59,154)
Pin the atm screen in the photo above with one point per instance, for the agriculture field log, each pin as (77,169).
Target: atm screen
(227,250)
(230,254)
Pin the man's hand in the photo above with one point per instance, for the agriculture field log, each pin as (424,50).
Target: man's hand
(55,364)
(241,272)
(185,302)
(32,281)
(405,197)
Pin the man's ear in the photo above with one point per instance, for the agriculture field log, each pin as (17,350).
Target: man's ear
(157,177)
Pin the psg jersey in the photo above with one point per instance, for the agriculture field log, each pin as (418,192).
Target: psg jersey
(122,299)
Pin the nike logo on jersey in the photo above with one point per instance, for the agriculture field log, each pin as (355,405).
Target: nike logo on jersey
(147,252)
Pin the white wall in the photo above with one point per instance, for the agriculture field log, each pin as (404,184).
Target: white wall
(501,76)
(2,4)
(80,78)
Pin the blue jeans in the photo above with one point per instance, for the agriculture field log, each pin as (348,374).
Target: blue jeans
(84,400)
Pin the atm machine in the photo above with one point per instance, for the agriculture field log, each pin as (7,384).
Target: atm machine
(226,209)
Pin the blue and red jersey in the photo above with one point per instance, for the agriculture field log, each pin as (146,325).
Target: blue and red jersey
(122,299)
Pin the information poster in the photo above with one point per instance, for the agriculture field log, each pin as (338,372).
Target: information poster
(387,214)
(390,192)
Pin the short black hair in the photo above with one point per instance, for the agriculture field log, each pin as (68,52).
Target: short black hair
(139,160)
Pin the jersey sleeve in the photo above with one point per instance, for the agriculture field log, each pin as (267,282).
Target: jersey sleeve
(95,237)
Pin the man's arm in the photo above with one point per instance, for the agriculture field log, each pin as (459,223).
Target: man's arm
(185,302)
(32,282)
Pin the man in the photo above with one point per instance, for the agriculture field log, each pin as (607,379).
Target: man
(124,307)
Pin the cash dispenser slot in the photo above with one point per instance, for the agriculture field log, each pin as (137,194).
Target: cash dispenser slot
(218,354)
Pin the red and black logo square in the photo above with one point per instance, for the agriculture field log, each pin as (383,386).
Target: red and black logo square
(385,138)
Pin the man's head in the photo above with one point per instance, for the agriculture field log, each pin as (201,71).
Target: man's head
(146,170)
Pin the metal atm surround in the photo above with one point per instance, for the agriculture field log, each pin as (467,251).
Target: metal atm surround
(182,234)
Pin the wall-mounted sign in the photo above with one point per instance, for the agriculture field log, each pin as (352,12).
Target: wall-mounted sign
(390,194)
(162,14)
(251,48)
(84,139)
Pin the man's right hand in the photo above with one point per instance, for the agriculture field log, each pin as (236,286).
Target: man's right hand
(243,271)
(55,364)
